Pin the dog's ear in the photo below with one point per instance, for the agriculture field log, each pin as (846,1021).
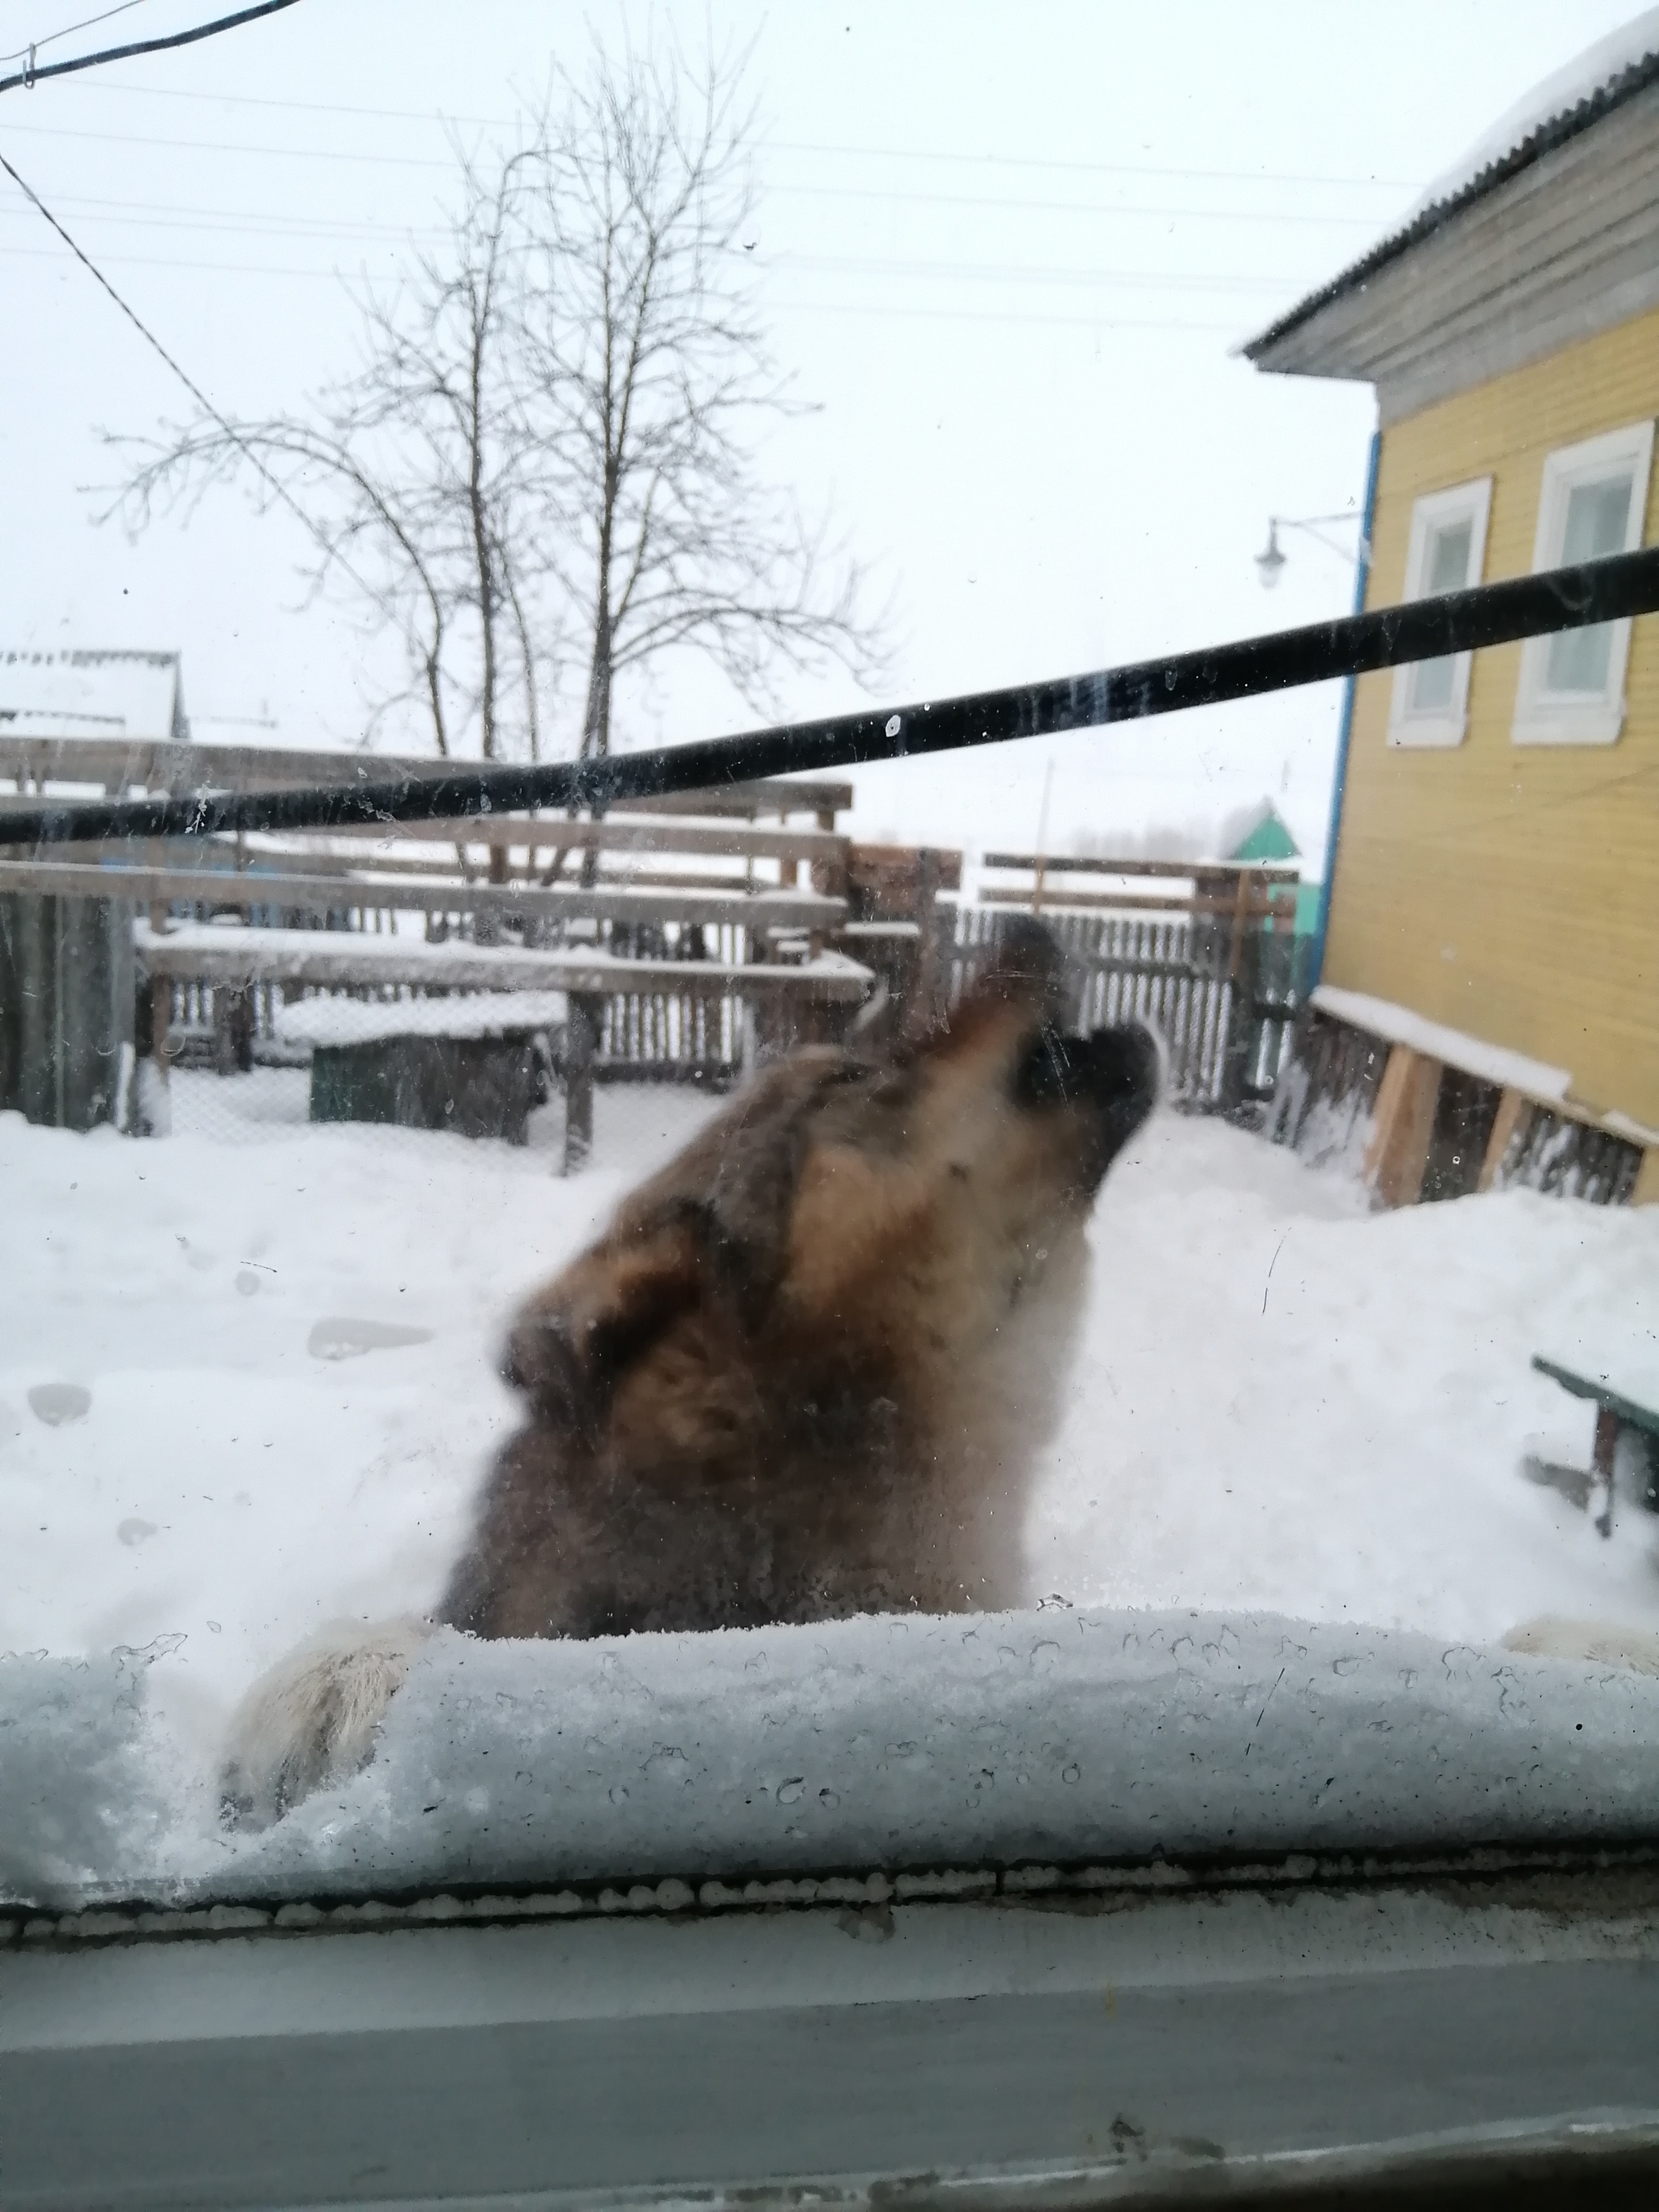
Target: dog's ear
(734,1190)
(1026,967)
(714,1224)
(574,1340)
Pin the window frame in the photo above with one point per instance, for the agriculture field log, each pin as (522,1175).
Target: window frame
(1291,2030)
(1546,717)
(1447,726)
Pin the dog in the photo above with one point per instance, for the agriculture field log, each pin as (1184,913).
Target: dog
(806,1373)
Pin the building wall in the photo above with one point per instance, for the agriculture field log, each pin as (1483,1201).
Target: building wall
(1512,891)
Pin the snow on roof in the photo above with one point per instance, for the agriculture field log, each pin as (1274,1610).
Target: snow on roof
(1572,98)
(86,694)
(1597,70)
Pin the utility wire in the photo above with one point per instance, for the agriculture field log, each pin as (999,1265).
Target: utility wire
(70,30)
(1156,210)
(330,551)
(29,75)
(787,146)
(1109,319)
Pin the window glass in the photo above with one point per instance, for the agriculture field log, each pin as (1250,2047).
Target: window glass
(1597,517)
(901,1306)
(1448,570)
(1444,552)
(1591,503)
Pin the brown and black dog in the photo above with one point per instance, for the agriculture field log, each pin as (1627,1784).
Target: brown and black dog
(805,1373)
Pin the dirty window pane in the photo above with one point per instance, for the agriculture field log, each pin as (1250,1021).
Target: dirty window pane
(1048,1303)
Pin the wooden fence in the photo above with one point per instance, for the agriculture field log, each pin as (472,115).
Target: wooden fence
(1222,997)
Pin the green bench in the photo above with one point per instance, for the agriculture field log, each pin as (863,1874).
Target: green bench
(1618,1415)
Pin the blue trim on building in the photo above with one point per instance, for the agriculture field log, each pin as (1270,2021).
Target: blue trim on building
(1338,781)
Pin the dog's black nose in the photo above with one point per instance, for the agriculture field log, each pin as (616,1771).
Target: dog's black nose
(1118,1072)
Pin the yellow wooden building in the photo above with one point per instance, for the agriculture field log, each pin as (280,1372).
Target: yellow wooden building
(1493,902)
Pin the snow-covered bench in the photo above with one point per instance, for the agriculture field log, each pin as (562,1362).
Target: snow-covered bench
(570,987)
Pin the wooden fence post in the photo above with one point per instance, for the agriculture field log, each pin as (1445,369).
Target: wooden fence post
(584,1012)
(928,989)
(1244,1018)
(1398,1153)
(1511,1107)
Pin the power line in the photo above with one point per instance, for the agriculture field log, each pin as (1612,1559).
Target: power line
(70,29)
(1090,169)
(1156,211)
(31,75)
(954,271)
(133,215)
(1106,321)
(1009,272)
(225,146)
(188,382)
(782,145)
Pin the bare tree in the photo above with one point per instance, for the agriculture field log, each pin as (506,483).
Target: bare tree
(416,477)
(648,351)
(555,426)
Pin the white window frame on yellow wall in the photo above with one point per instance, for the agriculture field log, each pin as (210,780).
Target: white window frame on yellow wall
(1546,715)
(1445,721)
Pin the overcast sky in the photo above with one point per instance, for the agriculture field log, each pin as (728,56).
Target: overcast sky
(1008,248)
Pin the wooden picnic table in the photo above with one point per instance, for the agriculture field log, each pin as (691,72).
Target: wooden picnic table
(1628,1406)
(235,957)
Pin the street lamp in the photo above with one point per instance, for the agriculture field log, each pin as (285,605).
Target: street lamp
(1270,561)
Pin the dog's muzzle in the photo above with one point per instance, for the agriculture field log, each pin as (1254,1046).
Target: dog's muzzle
(1119,1072)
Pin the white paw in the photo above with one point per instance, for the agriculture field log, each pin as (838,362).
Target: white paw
(1601,1643)
(314,1718)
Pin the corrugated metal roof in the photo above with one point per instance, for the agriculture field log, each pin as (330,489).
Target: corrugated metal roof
(1602,78)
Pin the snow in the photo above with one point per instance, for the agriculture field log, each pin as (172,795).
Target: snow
(329,1019)
(318,955)
(1287,1405)
(1494,1063)
(881,1744)
(1557,95)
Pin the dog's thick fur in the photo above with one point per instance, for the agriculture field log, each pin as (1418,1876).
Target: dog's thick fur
(805,1373)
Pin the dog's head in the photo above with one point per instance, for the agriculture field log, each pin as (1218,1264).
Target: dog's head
(876,1217)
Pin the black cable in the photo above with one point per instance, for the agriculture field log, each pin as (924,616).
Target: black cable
(1609,590)
(329,552)
(31,75)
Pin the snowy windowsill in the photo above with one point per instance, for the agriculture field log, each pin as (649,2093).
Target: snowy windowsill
(1049,1737)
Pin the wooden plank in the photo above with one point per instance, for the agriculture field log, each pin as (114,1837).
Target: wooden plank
(1179,871)
(1062,902)
(1646,1192)
(1398,1151)
(889,872)
(765,794)
(1511,1106)
(758,841)
(157,764)
(330,956)
(366,867)
(757,910)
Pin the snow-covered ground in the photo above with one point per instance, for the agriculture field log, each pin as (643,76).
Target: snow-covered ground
(1286,1402)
